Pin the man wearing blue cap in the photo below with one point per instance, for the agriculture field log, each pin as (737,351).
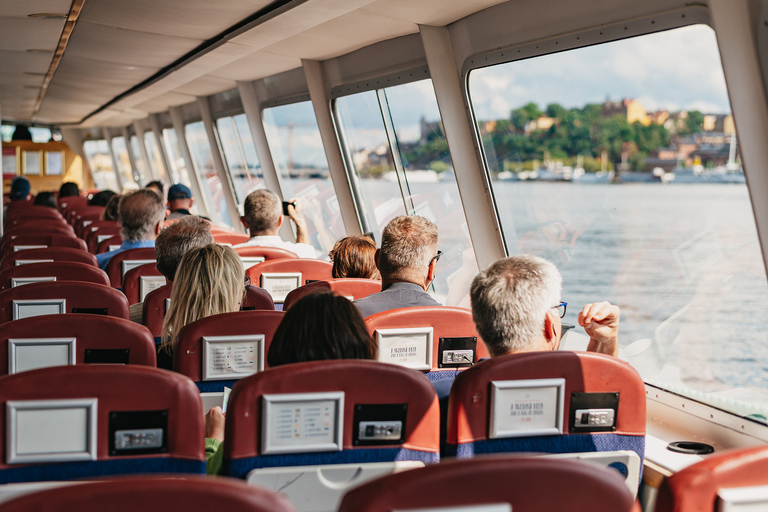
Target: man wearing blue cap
(19,189)
(180,200)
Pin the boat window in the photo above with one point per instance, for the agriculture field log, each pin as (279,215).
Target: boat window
(416,178)
(120,150)
(100,161)
(179,173)
(202,159)
(153,153)
(297,151)
(619,163)
(138,157)
(240,155)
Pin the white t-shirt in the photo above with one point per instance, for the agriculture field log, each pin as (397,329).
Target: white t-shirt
(301,250)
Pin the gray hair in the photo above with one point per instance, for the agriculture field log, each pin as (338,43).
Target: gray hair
(408,242)
(262,211)
(510,300)
(172,244)
(140,212)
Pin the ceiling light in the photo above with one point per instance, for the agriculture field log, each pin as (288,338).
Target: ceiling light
(47,15)
(39,50)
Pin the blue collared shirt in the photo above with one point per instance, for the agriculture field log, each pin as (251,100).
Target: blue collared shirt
(104,257)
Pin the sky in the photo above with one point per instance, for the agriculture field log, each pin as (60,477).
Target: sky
(678,69)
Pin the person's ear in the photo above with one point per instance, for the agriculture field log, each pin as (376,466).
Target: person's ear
(191,201)
(158,228)
(376,258)
(550,330)
(245,224)
(431,270)
(280,221)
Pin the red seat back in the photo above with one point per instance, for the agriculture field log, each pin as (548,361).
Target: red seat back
(155,309)
(128,341)
(49,253)
(585,375)
(61,270)
(126,398)
(190,494)
(364,383)
(311,270)
(79,298)
(48,228)
(30,211)
(73,213)
(67,202)
(188,356)
(82,221)
(445,322)
(268,253)
(115,264)
(350,287)
(99,231)
(132,281)
(229,238)
(104,245)
(524,483)
(43,240)
(696,487)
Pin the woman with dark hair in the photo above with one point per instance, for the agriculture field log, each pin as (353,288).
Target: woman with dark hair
(69,189)
(101,198)
(321,326)
(110,210)
(45,199)
(354,256)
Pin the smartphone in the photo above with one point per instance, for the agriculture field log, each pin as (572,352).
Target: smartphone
(285,206)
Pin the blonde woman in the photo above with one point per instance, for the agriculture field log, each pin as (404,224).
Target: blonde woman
(209,280)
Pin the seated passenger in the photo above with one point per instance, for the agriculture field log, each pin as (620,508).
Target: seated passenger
(69,189)
(101,198)
(45,199)
(19,189)
(209,281)
(110,210)
(180,200)
(516,304)
(263,217)
(171,245)
(157,186)
(354,256)
(318,327)
(406,260)
(141,216)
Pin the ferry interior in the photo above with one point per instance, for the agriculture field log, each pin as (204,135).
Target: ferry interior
(623,141)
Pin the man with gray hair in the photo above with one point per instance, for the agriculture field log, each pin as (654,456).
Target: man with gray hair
(171,245)
(141,215)
(516,307)
(406,261)
(263,216)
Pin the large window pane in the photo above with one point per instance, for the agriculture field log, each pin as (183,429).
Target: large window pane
(120,150)
(240,155)
(618,163)
(297,150)
(370,157)
(138,157)
(202,159)
(100,162)
(179,173)
(424,184)
(153,153)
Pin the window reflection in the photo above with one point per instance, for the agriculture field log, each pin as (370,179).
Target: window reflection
(138,157)
(179,173)
(202,159)
(153,153)
(627,177)
(297,150)
(120,149)
(240,155)
(100,161)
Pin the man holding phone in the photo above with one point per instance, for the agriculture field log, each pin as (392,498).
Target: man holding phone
(263,218)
